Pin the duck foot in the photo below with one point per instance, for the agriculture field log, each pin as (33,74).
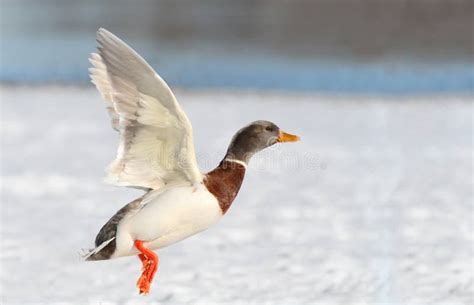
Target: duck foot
(150,265)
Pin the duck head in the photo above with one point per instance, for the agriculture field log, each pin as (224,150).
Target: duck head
(255,137)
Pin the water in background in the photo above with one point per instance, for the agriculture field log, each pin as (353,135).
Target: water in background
(341,46)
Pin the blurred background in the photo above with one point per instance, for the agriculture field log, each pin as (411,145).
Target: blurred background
(372,206)
(381,46)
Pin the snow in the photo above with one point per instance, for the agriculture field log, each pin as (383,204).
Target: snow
(373,206)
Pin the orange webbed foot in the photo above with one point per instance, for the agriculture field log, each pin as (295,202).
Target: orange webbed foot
(143,285)
(150,265)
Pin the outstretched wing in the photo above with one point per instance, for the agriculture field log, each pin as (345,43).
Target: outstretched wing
(156,143)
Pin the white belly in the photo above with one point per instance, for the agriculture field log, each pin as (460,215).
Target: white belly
(168,216)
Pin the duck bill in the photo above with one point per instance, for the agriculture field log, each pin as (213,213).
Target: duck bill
(286,137)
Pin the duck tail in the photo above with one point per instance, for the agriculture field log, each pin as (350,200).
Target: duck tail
(95,254)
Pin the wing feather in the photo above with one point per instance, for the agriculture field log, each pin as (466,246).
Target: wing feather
(100,79)
(156,145)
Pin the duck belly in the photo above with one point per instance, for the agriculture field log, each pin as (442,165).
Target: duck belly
(166,217)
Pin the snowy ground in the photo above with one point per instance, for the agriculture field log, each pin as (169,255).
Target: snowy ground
(373,206)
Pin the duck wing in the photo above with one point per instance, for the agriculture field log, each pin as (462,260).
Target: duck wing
(156,143)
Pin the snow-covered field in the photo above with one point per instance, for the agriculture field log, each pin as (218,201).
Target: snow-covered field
(373,206)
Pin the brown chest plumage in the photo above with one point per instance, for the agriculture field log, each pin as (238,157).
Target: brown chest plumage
(224,182)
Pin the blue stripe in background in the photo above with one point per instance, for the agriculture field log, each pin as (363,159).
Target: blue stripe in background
(327,46)
(57,60)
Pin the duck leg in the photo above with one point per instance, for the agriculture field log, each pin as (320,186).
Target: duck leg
(150,265)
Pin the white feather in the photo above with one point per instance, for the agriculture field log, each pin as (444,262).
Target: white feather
(167,216)
(156,145)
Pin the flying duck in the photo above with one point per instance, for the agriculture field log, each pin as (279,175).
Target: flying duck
(156,154)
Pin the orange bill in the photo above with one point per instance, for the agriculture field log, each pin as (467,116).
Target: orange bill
(286,137)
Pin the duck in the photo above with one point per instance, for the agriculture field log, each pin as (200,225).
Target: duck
(156,154)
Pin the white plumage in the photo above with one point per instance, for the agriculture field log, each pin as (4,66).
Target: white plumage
(156,143)
(167,216)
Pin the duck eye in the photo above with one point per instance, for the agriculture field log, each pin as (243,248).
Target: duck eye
(268,128)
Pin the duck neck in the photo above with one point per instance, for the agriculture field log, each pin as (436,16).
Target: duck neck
(237,155)
(225,180)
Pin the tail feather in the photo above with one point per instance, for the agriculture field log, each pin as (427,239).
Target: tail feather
(95,254)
